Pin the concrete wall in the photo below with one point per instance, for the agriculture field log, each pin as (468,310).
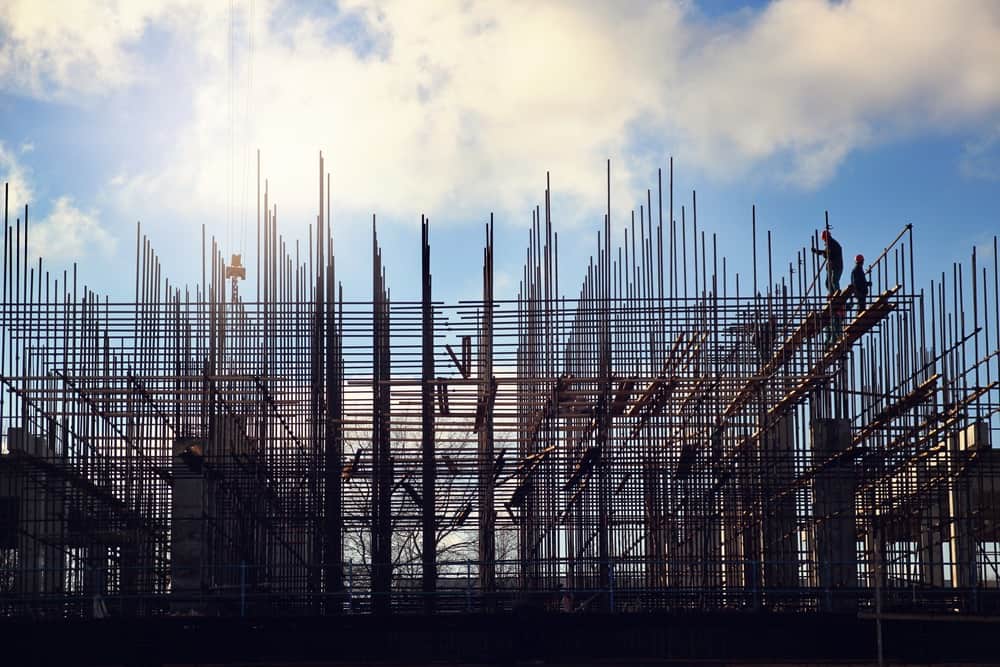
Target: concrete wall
(834,489)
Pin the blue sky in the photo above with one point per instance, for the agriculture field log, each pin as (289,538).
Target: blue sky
(883,113)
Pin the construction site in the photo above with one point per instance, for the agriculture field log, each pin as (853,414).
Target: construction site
(657,434)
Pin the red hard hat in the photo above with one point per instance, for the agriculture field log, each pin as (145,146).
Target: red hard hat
(859,259)
(825,235)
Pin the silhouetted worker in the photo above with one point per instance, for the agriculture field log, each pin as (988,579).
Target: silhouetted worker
(860,282)
(834,261)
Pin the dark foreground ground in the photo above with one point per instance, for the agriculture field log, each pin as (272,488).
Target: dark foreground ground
(706,639)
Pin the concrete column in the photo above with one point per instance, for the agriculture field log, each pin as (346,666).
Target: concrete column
(834,488)
(34,512)
(974,466)
(749,530)
(130,576)
(962,539)
(652,491)
(95,579)
(778,523)
(933,526)
(187,544)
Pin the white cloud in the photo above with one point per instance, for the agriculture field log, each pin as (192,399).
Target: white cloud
(63,50)
(453,107)
(66,233)
(26,147)
(813,80)
(16,180)
(465,107)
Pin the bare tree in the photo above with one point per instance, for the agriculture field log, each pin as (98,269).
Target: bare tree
(455,539)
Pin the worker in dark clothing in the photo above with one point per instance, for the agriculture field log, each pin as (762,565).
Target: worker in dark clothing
(860,282)
(834,261)
(836,328)
(764,334)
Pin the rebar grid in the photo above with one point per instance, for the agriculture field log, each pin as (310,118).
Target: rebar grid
(661,435)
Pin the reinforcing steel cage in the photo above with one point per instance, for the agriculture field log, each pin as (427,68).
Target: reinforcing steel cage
(659,433)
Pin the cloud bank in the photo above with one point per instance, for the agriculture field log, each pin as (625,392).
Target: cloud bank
(452,107)
(66,233)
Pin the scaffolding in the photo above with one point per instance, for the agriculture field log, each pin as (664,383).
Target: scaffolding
(660,435)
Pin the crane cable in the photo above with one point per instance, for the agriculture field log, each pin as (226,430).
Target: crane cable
(251,13)
(239,132)
(230,123)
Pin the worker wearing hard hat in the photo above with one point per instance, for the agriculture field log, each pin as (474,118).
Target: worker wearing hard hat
(860,282)
(834,261)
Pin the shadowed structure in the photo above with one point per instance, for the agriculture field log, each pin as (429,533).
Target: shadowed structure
(661,435)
